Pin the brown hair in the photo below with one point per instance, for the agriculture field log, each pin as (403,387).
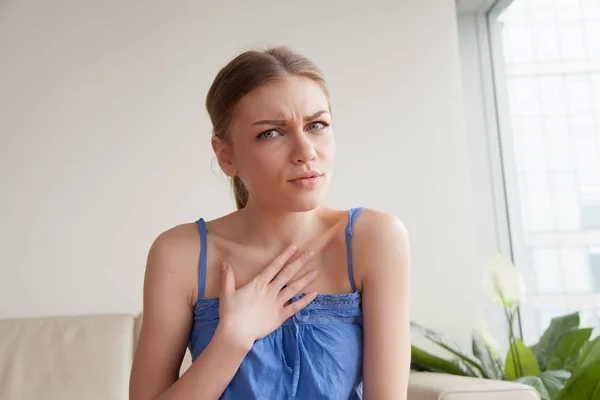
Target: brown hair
(245,73)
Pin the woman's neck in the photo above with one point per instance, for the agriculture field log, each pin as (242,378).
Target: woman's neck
(275,229)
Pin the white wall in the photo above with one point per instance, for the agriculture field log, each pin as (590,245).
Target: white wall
(105,140)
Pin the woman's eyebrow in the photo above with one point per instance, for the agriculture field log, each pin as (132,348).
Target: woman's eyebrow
(280,122)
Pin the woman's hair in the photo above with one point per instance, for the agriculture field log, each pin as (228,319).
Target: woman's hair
(245,73)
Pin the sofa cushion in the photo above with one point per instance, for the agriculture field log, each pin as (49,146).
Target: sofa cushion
(64,358)
(434,386)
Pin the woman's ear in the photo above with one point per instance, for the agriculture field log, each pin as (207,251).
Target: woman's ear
(224,155)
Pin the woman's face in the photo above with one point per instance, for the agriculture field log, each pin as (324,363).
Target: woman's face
(281,144)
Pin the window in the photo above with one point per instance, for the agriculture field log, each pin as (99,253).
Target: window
(594,256)
(546,262)
(546,71)
(590,203)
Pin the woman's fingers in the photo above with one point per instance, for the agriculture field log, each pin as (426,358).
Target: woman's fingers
(271,270)
(291,270)
(296,287)
(260,305)
(227,279)
(296,306)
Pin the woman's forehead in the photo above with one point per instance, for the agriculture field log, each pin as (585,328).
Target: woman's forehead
(283,99)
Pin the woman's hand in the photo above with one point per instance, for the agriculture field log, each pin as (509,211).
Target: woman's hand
(259,308)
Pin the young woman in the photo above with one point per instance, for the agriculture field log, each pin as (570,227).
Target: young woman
(283,298)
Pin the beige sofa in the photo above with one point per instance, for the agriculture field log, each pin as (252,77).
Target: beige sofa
(89,358)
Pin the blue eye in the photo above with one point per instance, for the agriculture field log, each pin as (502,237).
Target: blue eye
(271,133)
(317,125)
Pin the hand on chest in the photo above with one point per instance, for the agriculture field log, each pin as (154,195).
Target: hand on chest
(330,261)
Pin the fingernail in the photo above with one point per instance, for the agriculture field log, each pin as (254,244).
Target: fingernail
(223,266)
(313,274)
(310,254)
(293,248)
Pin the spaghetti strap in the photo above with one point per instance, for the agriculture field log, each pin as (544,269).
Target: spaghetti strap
(202,270)
(353,214)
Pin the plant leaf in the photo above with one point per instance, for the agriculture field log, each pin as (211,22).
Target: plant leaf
(566,352)
(589,354)
(519,352)
(537,384)
(558,327)
(584,350)
(585,379)
(586,385)
(554,381)
(465,367)
(422,360)
(453,348)
(491,364)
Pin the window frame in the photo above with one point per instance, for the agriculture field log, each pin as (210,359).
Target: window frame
(493,161)
(488,128)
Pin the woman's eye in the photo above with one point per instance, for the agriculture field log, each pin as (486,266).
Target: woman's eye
(268,134)
(317,125)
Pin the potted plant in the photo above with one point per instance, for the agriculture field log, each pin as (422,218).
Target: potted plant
(563,365)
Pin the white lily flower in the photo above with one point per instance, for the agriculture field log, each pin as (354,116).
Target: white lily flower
(502,282)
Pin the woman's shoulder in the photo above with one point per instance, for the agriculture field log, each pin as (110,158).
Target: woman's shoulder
(378,236)
(373,224)
(178,238)
(173,256)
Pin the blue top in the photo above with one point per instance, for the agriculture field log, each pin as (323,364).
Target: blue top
(316,354)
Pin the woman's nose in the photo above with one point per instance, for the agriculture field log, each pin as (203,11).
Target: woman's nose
(304,150)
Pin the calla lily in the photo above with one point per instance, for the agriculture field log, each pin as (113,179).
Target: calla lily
(502,282)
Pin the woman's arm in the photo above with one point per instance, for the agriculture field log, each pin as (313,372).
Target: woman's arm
(382,254)
(166,330)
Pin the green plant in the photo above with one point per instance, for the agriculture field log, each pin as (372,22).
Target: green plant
(563,365)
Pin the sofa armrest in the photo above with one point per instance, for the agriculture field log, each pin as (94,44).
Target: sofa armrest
(437,386)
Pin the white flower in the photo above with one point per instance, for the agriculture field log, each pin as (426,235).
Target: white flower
(502,282)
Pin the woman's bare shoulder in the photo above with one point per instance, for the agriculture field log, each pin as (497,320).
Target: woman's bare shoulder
(376,233)
(377,222)
(173,257)
(176,244)
(180,235)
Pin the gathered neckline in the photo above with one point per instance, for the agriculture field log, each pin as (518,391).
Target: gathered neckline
(322,299)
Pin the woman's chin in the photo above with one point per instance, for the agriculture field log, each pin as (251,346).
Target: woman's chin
(296,201)
(306,202)
(303,202)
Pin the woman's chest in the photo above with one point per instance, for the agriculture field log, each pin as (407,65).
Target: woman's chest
(330,261)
